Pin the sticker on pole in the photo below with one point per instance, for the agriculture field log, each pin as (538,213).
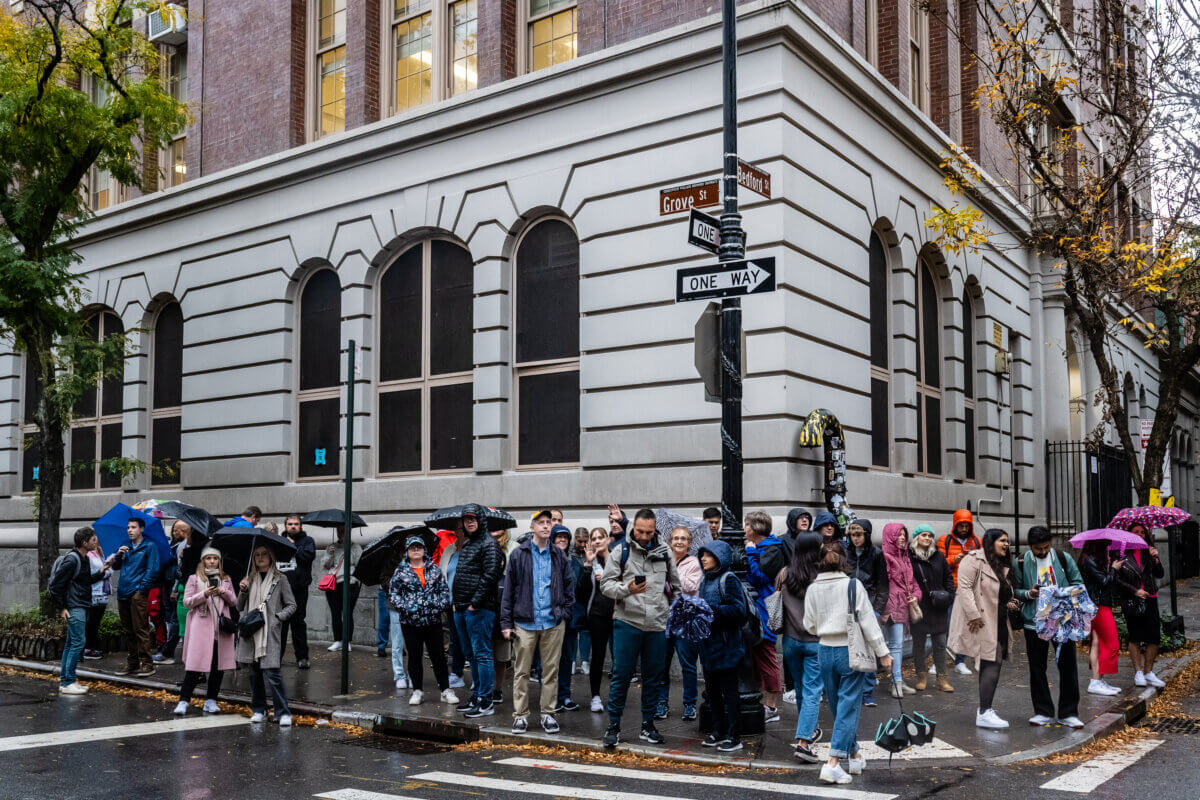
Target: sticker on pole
(730,279)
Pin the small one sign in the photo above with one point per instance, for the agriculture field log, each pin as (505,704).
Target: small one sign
(730,279)
(684,198)
(755,179)
(704,231)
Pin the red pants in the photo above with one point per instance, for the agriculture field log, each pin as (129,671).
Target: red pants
(1105,629)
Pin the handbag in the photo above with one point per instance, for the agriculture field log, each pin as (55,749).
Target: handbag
(226,624)
(914,611)
(940,599)
(860,655)
(252,621)
(328,583)
(774,605)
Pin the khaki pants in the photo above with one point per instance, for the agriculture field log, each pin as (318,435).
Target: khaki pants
(549,642)
(135,619)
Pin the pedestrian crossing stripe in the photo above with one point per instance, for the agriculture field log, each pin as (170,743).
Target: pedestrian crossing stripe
(1091,774)
(938,748)
(359,794)
(81,735)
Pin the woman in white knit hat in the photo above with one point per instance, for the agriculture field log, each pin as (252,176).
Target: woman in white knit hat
(208,597)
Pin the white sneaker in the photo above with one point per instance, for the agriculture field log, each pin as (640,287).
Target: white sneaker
(1139,679)
(76,688)
(285,721)
(834,774)
(1040,719)
(789,697)
(180,708)
(403,682)
(962,669)
(1111,689)
(1101,687)
(1072,722)
(450,697)
(597,704)
(585,667)
(989,719)
(258,716)
(933,670)
(857,764)
(1155,681)
(456,681)
(417,697)
(210,707)
(333,648)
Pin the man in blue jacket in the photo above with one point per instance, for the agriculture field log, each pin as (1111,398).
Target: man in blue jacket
(140,569)
(535,605)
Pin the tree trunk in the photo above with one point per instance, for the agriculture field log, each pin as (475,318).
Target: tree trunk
(50,486)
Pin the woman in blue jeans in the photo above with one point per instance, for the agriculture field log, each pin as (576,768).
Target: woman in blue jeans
(903,594)
(800,648)
(826,605)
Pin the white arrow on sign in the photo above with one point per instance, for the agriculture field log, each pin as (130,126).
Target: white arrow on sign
(749,279)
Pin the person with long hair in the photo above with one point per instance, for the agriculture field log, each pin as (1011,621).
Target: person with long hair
(979,623)
(826,614)
(903,594)
(208,597)
(335,554)
(600,609)
(1141,569)
(801,648)
(267,590)
(933,575)
(1100,578)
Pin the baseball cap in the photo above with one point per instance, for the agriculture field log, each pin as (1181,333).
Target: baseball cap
(545,512)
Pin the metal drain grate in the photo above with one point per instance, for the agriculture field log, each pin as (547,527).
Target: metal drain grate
(1176,725)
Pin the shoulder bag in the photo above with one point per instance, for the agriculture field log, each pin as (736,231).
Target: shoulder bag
(252,621)
(862,659)
(774,605)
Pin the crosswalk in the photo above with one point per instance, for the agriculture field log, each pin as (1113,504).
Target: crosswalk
(1092,774)
(531,777)
(109,732)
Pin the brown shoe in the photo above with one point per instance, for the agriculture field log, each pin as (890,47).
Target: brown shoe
(920,684)
(944,683)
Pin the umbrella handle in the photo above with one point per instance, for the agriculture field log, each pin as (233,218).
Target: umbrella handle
(250,560)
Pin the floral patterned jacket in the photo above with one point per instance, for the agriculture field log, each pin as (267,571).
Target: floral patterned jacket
(416,604)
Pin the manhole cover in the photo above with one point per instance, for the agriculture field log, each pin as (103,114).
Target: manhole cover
(1176,725)
(395,744)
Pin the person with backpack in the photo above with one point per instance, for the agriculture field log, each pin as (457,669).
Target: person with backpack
(722,652)
(1042,566)
(955,546)
(71,588)
(766,555)
(828,614)
(639,575)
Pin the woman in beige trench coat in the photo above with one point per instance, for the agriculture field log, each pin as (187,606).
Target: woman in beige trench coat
(979,624)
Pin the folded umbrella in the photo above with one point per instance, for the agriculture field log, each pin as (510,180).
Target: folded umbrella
(332,518)
(690,619)
(112,531)
(1150,517)
(200,521)
(497,518)
(667,520)
(376,554)
(238,544)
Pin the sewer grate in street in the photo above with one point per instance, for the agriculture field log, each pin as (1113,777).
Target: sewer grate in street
(1183,726)
(395,744)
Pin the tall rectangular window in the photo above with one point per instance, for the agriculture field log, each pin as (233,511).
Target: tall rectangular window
(102,189)
(96,423)
(929,374)
(880,342)
(968,342)
(412,35)
(166,396)
(918,56)
(331,67)
(174,156)
(553,32)
(464,47)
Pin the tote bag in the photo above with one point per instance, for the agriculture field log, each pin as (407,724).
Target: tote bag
(862,659)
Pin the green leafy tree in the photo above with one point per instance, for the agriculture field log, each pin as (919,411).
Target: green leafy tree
(55,56)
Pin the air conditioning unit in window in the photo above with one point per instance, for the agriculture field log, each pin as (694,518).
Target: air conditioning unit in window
(168,26)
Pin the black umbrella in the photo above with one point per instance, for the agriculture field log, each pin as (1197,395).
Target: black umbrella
(331,518)
(376,554)
(199,520)
(237,544)
(497,518)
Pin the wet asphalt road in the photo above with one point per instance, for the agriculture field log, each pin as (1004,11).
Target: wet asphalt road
(265,761)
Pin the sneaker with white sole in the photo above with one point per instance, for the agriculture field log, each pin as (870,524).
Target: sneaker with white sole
(989,719)
(456,681)
(210,707)
(770,714)
(258,716)
(585,667)
(1072,722)
(729,746)
(1155,681)
(1041,720)
(448,696)
(333,648)
(417,697)
(933,670)
(962,669)
(857,764)
(403,682)
(180,708)
(834,774)
(520,725)
(597,704)
(285,721)
(75,688)
(789,697)
(549,724)
(1139,679)
(1101,687)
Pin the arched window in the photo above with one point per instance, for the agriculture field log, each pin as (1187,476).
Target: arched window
(96,423)
(166,396)
(968,348)
(320,371)
(929,374)
(880,342)
(426,362)
(547,345)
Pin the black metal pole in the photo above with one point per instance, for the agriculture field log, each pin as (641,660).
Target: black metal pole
(347,530)
(1016,479)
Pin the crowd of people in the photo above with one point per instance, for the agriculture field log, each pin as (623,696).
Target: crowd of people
(535,608)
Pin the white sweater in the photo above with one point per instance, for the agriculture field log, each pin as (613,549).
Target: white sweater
(825,609)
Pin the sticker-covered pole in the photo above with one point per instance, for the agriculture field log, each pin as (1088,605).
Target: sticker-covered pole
(348,530)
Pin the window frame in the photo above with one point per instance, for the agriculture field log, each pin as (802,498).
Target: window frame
(96,422)
(525,22)
(315,50)
(875,371)
(95,176)
(919,43)
(166,412)
(166,166)
(924,390)
(303,396)
(521,369)
(871,45)
(441,39)
(970,323)
(426,382)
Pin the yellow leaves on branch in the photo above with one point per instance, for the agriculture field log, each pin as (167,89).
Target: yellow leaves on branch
(959,227)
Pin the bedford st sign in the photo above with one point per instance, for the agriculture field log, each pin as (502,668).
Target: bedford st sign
(730,279)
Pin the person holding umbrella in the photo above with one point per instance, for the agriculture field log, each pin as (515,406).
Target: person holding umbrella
(138,563)
(1100,576)
(208,597)
(298,571)
(331,585)
(418,594)
(476,605)
(1141,570)
(265,590)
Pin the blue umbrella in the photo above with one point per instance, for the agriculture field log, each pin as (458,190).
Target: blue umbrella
(110,530)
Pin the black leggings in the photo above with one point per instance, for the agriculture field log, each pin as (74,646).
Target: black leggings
(94,615)
(192,679)
(428,637)
(600,629)
(721,686)
(989,679)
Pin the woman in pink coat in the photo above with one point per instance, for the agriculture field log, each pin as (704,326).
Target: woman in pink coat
(206,648)
(903,594)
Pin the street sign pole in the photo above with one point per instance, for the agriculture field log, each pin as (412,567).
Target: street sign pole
(347,530)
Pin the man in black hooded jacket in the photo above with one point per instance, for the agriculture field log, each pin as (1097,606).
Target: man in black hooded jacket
(476,602)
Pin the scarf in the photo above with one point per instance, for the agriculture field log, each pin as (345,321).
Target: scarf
(260,586)
(901,583)
(924,553)
(212,572)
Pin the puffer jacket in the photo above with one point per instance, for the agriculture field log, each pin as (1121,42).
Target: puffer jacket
(933,575)
(646,611)
(417,604)
(480,567)
(870,569)
(722,590)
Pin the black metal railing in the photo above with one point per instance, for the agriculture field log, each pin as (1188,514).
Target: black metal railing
(1085,486)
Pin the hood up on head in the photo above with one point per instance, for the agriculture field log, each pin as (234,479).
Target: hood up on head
(962,515)
(867,527)
(480,514)
(793,520)
(719,550)
(826,518)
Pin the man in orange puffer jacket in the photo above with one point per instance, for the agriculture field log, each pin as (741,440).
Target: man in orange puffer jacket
(954,547)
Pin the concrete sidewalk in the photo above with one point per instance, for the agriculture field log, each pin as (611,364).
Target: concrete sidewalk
(373,702)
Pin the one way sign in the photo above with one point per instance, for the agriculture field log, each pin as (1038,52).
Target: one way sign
(730,279)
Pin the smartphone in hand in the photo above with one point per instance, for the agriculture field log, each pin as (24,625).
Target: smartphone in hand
(639,579)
